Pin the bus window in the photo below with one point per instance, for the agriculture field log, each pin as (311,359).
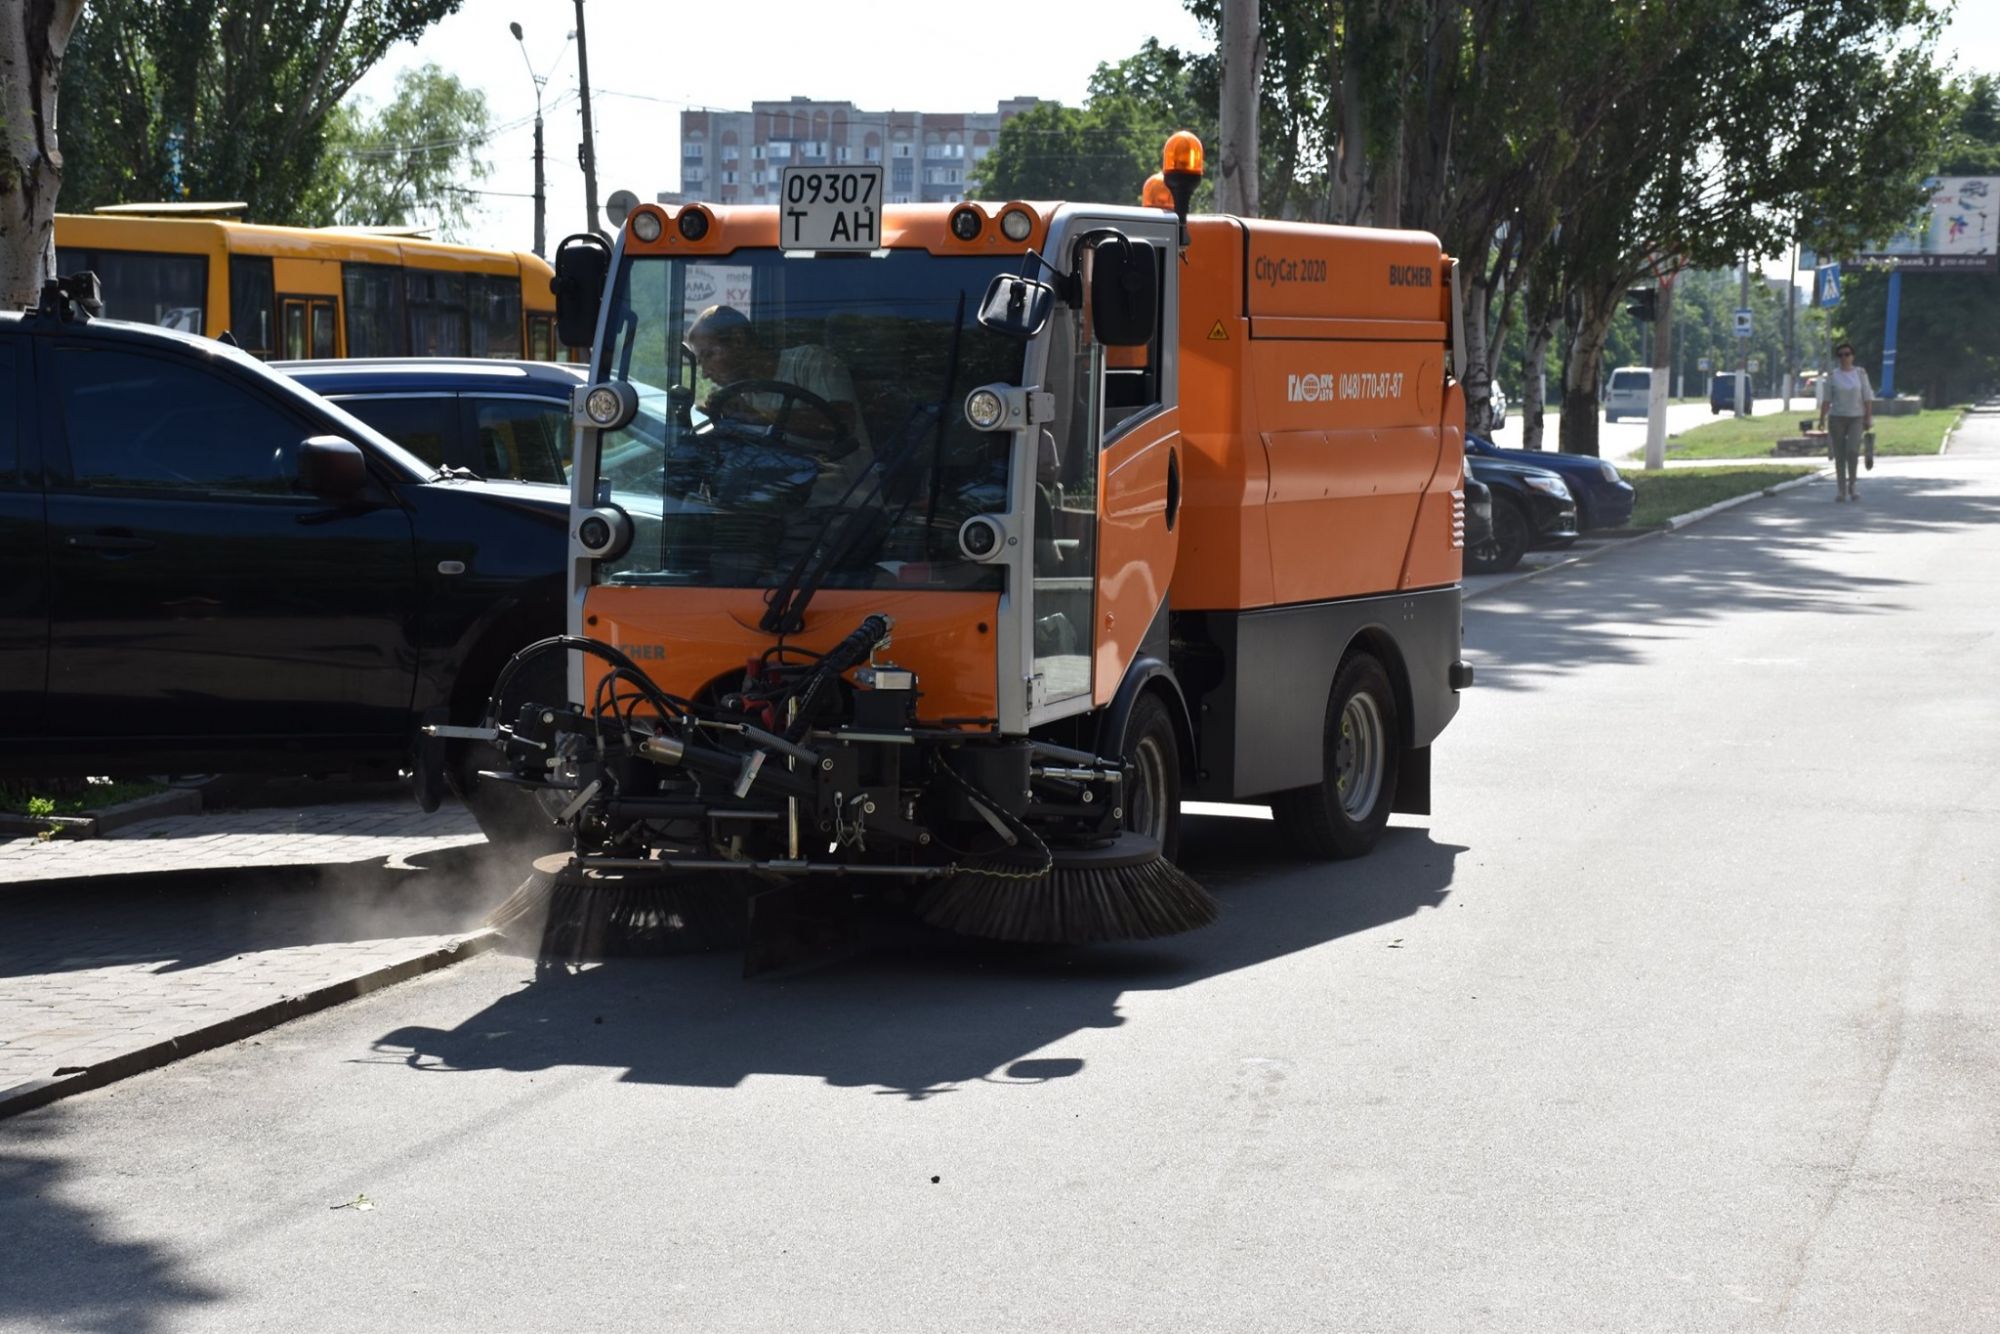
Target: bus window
(374,310)
(296,348)
(146,288)
(541,338)
(440,318)
(322,330)
(496,316)
(252,301)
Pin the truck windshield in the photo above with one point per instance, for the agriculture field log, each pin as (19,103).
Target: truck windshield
(803,410)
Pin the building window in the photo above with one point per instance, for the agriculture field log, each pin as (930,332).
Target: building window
(780,152)
(841,153)
(729,178)
(756,152)
(905,150)
(691,150)
(874,153)
(729,153)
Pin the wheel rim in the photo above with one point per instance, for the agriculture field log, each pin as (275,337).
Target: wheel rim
(1359,756)
(1146,803)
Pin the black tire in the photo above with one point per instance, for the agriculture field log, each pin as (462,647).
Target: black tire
(1343,814)
(1582,512)
(1511,536)
(518,821)
(1153,793)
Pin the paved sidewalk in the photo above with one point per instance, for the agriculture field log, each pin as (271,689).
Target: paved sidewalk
(120,953)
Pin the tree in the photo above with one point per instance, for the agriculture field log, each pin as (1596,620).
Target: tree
(34,39)
(405,164)
(1101,153)
(221,99)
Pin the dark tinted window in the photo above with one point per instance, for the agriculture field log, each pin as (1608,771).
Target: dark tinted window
(420,425)
(520,439)
(440,316)
(541,338)
(168,290)
(10,439)
(139,421)
(496,316)
(251,295)
(374,310)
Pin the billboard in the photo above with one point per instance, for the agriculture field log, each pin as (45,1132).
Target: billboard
(1956,231)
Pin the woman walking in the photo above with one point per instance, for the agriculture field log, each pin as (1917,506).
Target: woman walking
(1848,401)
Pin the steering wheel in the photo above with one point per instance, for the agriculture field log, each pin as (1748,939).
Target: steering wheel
(836,441)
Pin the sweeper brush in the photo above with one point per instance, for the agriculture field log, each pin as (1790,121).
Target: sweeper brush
(578,915)
(1124,890)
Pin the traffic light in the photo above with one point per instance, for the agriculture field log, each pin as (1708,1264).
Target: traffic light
(1640,303)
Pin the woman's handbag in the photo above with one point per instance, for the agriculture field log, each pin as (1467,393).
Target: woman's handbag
(1868,449)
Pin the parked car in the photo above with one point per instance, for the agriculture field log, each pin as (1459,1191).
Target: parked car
(1532,508)
(212,569)
(1629,393)
(1478,513)
(1603,498)
(504,420)
(1722,393)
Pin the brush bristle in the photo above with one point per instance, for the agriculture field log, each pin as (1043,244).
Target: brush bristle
(1071,904)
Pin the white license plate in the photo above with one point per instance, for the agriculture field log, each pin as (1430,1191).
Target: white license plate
(830,208)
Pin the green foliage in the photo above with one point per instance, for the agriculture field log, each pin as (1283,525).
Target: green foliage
(1757,437)
(217,99)
(406,163)
(1670,493)
(1101,153)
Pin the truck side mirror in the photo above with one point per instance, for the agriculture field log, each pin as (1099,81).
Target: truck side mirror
(583,261)
(331,467)
(1124,292)
(1016,307)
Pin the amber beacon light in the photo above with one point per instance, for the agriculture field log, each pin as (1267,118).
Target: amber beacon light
(1180,170)
(1156,194)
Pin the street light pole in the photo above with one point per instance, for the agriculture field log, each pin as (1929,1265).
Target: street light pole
(587,151)
(541,198)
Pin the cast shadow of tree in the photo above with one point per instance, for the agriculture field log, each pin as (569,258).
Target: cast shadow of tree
(918,1013)
(1778,556)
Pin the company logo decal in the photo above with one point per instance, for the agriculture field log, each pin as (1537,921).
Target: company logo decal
(1409,275)
(1356,385)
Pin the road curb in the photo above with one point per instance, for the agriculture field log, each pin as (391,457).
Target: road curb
(1673,525)
(174,801)
(41,1092)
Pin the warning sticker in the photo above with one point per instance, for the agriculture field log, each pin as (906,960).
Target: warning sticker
(1218,334)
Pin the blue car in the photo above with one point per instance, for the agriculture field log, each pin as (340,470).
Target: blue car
(1603,498)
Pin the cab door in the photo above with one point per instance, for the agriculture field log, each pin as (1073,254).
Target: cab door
(199,596)
(24,592)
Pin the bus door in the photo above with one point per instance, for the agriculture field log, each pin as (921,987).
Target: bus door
(308,324)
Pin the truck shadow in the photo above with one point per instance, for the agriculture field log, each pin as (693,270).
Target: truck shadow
(919,1013)
(1781,555)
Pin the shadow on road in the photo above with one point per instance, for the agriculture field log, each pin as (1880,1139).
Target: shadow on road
(179,920)
(132,1288)
(919,1012)
(1773,556)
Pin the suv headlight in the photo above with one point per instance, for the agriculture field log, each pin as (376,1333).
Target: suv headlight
(1552,486)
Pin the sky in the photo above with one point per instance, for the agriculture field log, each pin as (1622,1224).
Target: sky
(648,63)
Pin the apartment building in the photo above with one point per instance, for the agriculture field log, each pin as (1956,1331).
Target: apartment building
(736,157)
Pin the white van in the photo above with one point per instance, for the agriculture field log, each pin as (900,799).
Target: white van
(1627,395)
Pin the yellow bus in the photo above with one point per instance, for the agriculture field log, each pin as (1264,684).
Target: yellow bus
(297,292)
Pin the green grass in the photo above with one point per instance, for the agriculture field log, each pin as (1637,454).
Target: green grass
(1755,437)
(43,800)
(1663,495)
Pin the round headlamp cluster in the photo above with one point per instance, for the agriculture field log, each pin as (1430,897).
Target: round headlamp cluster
(693,224)
(1016,224)
(646,226)
(984,409)
(602,405)
(966,223)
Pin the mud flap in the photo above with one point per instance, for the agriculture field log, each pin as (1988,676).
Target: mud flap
(1413,782)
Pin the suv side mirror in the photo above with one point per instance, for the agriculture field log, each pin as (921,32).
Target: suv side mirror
(1016,307)
(583,261)
(332,467)
(1124,292)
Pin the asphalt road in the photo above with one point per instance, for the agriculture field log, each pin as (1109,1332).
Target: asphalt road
(1680,1014)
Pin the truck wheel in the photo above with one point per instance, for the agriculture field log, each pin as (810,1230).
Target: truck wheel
(518,821)
(1153,793)
(1343,814)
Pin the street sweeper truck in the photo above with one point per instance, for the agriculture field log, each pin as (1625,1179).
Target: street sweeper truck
(937,552)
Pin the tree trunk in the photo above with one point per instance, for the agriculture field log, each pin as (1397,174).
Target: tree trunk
(1478,368)
(1539,339)
(1586,358)
(33,36)
(1242,58)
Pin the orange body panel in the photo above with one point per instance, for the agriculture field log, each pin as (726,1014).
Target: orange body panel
(1135,551)
(687,638)
(1312,389)
(904,226)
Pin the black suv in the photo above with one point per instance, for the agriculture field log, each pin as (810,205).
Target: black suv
(210,568)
